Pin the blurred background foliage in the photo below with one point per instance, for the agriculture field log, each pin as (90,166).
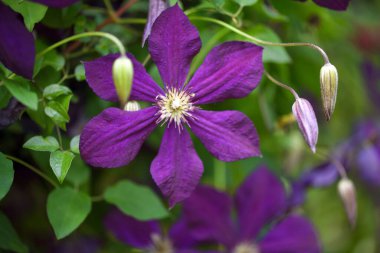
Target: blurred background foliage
(350,38)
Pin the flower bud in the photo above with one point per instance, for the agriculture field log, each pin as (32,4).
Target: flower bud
(122,73)
(329,88)
(132,106)
(307,122)
(347,193)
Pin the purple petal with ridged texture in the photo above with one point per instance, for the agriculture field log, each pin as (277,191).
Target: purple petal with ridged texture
(259,200)
(231,70)
(156,7)
(99,77)
(368,161)
(114,137)
(227,135)
(294,234)
(56,3)
(131,231)
(173,43)
(338,5)
(17,49)
(208,214)
(177,168)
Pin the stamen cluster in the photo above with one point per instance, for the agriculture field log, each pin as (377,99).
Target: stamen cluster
(175,106)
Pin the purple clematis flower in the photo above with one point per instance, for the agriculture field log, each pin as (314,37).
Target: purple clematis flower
(260,201)
(231,70)
(17,49)
(337,5)
(148,236)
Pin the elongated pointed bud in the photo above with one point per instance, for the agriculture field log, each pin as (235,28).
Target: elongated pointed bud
(329,88)
(122,73)
(307,122)
(347,193)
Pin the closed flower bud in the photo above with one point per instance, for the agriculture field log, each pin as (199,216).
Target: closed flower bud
(307,122)
(132,106)
(122,73)
(347,193)
(329,88)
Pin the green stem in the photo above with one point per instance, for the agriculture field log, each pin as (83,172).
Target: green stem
(109,36)
(32,168)
(282,85)
(59,137)
(220,175)
(141,21)
(97,198)
(262,42)
(110,9)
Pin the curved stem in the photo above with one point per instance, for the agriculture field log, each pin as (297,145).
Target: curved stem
(109,36)
(282,85)
(32,168)
(263,42)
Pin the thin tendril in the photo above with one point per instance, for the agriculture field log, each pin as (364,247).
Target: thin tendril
(263,42)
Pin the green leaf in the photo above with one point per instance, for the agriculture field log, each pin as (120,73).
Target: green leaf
(9,240)
(5,96)
(6,175)
(31,12)
(57,112)
(21,91)
(67,209)
(79,172)
(245,2)
(74,144)
(271,54)
(39,143)
(79,73)
(55,90)
(136,200)
(60,162)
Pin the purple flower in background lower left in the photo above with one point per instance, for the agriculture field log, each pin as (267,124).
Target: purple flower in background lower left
(148,236)
(231,70)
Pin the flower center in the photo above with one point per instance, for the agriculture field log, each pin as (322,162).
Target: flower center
(161,245)
(175,106)
(246,248)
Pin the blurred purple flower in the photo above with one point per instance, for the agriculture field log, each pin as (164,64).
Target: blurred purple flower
(371,74)
(231,70)
(148,236)
(260,201)
(361,151)
(337,5)
(17,49)
(82,244)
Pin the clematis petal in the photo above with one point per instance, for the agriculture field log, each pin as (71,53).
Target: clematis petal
(294,234)
(259,200)
(156,7)
(131,231)
(208,215)
(99,77)
(228,135)
(17,49)
(177,167)
(231,70)
(114,137)
(338,5)
(56,3)
(173,42)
